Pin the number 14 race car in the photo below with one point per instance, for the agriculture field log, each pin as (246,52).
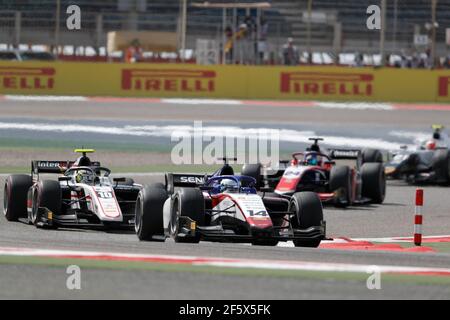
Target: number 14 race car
(84,196)
(225,207)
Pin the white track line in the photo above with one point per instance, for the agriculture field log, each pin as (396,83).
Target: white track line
(355,105)
(45,98)
(202,101)
(397,239)
(175,131)
(223,262)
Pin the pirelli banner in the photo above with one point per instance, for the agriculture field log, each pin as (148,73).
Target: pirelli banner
(233,82)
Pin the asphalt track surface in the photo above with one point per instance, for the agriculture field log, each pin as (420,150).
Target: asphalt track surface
(394,218)
(263,113)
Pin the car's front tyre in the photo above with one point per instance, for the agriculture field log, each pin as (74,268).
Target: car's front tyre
(149,213)
(308,212)
(187,202)
(46,194)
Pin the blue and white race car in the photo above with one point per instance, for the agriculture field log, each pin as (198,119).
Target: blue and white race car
(225,207)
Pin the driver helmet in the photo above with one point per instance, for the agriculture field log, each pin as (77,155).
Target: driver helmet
(312,159)
(430,145)
(84,176)
(228,185)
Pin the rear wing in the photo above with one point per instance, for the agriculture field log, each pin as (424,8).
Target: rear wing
(184,180)
(45,166)
(345,154)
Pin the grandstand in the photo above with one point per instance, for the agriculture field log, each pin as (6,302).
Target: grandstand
(335,27)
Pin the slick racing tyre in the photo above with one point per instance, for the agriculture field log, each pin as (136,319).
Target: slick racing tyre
(373,182)
(441,165)
(159,185)
(308,212)
(148,220)
(128,182)
(371,155)
(254,171)
(341,181)
(47,194)
(15,196)
(188,202)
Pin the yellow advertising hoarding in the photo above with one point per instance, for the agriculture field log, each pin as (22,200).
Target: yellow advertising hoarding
(232,82)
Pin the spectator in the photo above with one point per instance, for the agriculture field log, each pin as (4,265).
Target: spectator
(250,23)
(262,41)
(428,59)
(446,63)
(404,62)
(229,45)
(359,59)
(133,52)
(243,47)
(290,53)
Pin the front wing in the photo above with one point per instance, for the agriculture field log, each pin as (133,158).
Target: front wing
(188,228)
(47,219)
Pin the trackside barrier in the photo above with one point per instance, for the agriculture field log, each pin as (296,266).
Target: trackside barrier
(311,83)
(418,217)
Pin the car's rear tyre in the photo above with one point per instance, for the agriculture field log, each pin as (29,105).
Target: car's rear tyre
(308,212)
(254,171)
(148,221)
(441,165)
(371,155)
(188,202)
(15,196)
(47,194)
(128,182)
(159,185)
(373,182)
(341,181)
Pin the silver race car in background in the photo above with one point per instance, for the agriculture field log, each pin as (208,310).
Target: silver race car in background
(427,162)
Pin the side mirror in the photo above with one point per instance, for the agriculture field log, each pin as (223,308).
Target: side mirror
(119,179)
(206,188)
(266,189)
(331,163)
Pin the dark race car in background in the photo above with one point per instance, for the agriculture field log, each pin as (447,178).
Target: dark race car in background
(427,162)
(362,181)
(85,196)
(225,207)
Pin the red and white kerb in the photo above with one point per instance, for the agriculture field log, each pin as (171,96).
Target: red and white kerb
(418,218)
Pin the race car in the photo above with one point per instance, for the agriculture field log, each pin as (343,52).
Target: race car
(316,171)
(224,207)
(427,162)
(85,196)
